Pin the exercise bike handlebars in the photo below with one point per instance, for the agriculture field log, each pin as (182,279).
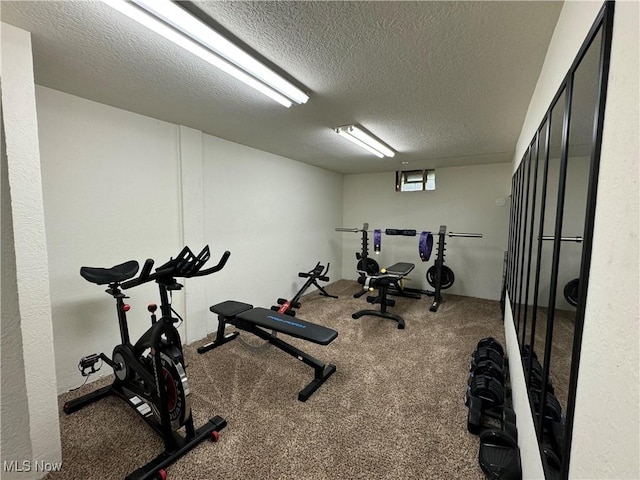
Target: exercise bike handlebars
(217,268)
(185,265)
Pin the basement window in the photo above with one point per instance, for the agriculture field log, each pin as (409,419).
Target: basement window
(415,180)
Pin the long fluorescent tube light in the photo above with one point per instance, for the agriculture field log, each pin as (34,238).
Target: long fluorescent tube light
(365,140)
(168,20)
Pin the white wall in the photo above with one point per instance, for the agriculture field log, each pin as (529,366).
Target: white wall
(606,429)
(111,193)
(121,186)
(529,452)
(608,403)
(464,200)
(29,403)
(14,413)
(275,216)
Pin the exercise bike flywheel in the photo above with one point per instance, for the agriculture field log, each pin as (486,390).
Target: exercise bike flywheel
(178,392)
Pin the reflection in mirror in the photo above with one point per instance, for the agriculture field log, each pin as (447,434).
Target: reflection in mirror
(534,353)
(525,298)
(545,253)
(584,98)
(550,238)
(512,216)
(517,193)
(533,274)
(522,237)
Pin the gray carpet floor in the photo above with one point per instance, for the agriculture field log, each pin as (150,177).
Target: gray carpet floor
(393,410)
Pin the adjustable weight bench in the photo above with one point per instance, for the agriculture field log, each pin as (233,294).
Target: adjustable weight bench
(388,283)
(259,320)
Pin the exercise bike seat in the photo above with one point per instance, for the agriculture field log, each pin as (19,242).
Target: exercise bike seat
(116,274)
(270,320)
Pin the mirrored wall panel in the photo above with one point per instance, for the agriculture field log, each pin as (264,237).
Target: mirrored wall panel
(553,198)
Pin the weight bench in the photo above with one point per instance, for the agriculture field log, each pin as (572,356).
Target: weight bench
(259,320)
(388,283)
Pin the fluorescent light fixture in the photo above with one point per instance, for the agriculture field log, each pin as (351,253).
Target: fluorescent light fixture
(177,25)
(365,140)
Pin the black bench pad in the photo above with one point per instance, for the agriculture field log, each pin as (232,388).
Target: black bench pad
(265,318)
(400,269)
(230,308)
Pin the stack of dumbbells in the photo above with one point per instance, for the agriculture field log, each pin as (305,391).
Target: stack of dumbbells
(552,439)
(490,415)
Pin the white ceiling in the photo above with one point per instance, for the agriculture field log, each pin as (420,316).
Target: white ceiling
(443,83)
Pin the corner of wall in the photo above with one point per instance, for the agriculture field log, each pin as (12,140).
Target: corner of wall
(28,248)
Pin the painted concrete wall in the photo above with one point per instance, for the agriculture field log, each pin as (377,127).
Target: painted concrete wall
(606,430)
(464,200)
(29,404)
(120,186)
(14,409)
(112,194)
(276,216)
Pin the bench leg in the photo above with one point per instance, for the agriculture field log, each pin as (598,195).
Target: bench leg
(382,298)
(321,375)
(321,370)
(378,313)
(221,338)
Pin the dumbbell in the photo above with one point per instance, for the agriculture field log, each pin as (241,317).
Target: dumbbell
(488,368)
(485,396)
(486,354)
(552,408)
(492,343)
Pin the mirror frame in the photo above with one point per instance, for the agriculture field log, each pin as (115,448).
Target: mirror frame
(519,261)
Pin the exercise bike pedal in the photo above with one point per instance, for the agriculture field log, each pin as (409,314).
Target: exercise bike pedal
(89,362)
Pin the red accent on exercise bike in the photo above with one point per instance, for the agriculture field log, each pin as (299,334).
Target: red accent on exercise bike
(126,307)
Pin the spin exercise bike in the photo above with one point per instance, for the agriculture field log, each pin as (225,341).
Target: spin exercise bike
(150,374)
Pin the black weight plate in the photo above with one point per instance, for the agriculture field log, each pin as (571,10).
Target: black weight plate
(446,277)
(489,369)
(488,389)
(486,354)
(491,342)
(571,291)
(372,267)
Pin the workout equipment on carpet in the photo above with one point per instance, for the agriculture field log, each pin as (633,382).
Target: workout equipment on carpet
(490,414)
(388,281)
(266,324)
(439,275)
(150,375)
(317,273)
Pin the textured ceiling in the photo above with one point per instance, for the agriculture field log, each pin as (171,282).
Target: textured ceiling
(443,83)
